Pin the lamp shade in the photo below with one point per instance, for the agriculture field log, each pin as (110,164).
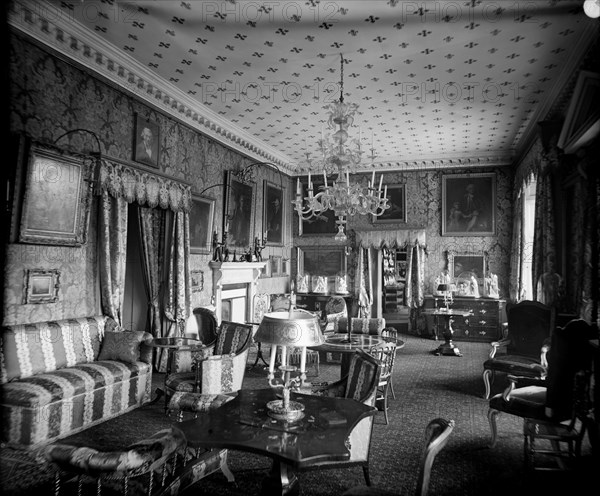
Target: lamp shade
(295,328)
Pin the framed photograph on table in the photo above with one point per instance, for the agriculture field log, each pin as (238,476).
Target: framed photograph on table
(323,223)
(238,218)
(146,143)
(396,194)
(469,204)
(41,286)
(57,198)
(273,213)
(201,224)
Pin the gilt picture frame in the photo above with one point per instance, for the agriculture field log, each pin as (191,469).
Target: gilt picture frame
(56,203)
(273,213)
(396,194)
(146,142)
(239,213)
(322,224)
(41,286)
(469,204)
(202,214)
(197,280)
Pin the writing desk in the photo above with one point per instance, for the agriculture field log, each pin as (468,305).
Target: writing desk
(243,424)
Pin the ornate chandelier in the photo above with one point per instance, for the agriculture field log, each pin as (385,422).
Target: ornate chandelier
(339,156)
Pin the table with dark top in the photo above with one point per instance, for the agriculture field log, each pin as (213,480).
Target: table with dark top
(243,424)
(445,314)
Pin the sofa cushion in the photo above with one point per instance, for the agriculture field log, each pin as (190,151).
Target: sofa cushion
(44,389)
(123,346)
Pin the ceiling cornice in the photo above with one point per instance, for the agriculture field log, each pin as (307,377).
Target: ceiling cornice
(50,26)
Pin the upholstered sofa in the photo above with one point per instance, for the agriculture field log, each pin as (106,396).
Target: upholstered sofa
(59,377)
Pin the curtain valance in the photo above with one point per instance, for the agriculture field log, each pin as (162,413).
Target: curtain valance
(147,189)
(395,238)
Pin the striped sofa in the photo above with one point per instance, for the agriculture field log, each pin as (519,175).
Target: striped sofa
(57,377)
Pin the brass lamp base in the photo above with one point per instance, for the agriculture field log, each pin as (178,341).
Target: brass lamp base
(293,413)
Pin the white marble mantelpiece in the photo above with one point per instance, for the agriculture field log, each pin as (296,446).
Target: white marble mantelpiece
(227,278)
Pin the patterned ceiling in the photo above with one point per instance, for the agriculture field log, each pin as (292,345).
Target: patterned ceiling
(435,81)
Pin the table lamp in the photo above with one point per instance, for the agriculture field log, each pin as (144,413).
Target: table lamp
(296,328)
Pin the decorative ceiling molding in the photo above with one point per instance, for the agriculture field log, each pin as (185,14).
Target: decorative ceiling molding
(52,27)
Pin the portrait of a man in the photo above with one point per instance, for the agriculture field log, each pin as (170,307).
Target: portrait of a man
(273,213)
(146,142)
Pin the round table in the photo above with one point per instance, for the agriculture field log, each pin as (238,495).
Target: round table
(339,343)
(172,344)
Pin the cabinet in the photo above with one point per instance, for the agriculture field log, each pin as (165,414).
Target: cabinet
(485,323)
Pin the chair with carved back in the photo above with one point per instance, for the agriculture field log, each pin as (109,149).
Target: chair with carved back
(261,305)
(555,409)
(437,435)
(335,308)
(361,385)
(523,351)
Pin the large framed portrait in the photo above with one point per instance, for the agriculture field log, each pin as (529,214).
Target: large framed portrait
(57,198)
(396,194)
(321,260)
(238,218)
(146,143)
(201,224)
(322,224)
(273,213)
(469,204)
(41,286)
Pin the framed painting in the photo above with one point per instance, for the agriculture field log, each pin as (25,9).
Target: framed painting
(322,261)
(322,224)
(237,222)
(41,286)
(201,224)
(469,204)
(146,143)
(273,213)
(396,194)
(57,198)
(197,278)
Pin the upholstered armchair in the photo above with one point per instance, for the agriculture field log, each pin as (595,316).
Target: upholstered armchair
(555,409)
(221,372)
(523,350)
(361,385)
(207,325)
(360,325)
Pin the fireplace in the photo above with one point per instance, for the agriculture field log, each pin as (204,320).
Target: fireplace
(234,287)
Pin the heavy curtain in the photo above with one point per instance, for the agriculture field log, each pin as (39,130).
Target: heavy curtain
(164,232)
(364,287)
(516,249)
(112,253)
(415,275)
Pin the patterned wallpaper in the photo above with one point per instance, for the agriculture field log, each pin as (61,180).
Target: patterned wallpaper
(48,98)
(424,199)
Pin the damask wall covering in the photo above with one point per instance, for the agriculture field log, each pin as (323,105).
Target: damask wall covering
(424,200)
(49,97)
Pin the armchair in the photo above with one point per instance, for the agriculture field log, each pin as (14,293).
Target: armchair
(361,385)
(221,372)
(206,322)
(530,324)
(335,308)
(557,408)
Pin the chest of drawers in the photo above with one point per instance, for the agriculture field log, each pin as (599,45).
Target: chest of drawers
(484,323)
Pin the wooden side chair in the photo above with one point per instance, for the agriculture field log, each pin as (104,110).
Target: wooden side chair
(437,434)
(361,385)
(386,354)
(523,351)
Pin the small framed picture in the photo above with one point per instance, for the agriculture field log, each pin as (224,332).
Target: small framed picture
(273,213)
(275,265)
(57,198)
(201,222)
(197,277)
(41,286)
(469,204)
(396,194)
(146,143)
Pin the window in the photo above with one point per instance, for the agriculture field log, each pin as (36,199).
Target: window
(528,224)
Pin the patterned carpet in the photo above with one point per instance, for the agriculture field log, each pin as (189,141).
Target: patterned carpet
(426,387)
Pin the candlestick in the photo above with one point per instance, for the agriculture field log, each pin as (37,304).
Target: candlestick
(380,181)
(309,182)
(373,179)
(325,178)
(298,188)
(347,179)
